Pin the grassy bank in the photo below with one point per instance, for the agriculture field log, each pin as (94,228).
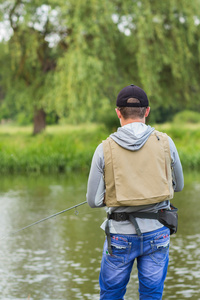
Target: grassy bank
(70,148)
(58,149)
(187,140)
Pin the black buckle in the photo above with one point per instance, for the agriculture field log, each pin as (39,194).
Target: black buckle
(119,217)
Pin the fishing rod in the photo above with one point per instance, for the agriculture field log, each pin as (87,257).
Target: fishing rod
(42,220)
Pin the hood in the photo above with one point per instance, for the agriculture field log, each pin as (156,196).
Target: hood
(132,136)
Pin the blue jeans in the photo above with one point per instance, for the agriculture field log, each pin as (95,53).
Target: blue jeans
(152,252)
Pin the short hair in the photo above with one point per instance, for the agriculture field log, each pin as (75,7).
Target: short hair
(132,112)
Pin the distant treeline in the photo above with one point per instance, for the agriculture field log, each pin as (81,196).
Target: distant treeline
(67,60)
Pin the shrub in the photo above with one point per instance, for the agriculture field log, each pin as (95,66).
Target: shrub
(187,116)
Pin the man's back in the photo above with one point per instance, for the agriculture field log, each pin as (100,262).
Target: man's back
(132,228)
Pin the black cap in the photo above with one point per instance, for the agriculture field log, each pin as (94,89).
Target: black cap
(132,91)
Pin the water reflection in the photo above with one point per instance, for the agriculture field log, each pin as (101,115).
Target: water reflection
(60,258)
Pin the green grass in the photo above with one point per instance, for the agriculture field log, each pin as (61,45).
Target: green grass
(70,148)
(187,140)
(58,149)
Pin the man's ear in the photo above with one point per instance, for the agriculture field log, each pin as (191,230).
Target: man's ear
(118,113)
(147,112)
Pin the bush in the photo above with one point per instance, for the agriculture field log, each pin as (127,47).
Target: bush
(187,116)
(107,116)
(24,119)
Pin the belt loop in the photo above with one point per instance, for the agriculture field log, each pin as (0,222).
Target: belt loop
(107,231)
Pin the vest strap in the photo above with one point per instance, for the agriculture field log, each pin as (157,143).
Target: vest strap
(107,231)
(135,223)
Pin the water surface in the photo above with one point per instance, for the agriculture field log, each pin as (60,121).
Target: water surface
(60,258)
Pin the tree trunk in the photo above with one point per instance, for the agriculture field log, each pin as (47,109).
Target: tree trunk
(39,121)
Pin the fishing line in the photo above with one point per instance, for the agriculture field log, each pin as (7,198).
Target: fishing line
(42,220)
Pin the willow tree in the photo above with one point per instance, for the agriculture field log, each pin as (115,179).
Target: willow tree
(72,57)
(86,74)
(163,50)
(61,56)
(31,57)
(154,44)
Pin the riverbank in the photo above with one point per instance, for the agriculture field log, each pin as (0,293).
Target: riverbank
(70,148)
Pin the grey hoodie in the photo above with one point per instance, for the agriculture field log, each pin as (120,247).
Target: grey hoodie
(132,137)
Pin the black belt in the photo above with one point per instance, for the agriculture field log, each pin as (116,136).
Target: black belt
(119,217)
(124,216)
(168,218)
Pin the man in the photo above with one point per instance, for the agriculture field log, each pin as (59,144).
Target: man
(134,173)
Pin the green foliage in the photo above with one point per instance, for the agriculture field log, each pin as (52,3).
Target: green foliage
(4,112)
(52,118)
(107,116)
(70,148)
(87,68)
(166,47)
(72,57)
(186,137)
(110,120)
(187,116)
(161,114)
(23,119)
(55,152)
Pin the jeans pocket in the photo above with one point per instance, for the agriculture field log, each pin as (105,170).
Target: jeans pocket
(160,247)
(120,251)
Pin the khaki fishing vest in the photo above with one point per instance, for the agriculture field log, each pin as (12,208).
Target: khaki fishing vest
(140,177)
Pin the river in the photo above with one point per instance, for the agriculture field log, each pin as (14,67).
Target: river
(60,258)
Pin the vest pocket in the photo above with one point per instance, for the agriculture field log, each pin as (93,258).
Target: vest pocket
(120,251)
